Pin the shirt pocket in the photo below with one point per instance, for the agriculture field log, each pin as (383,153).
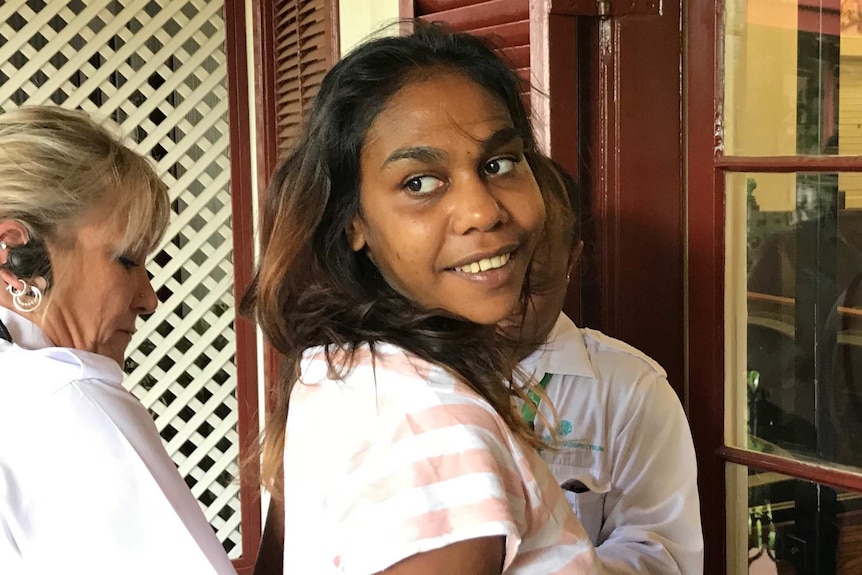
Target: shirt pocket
(586,494)
(589,508)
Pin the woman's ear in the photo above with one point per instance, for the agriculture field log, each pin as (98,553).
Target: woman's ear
(356,233)
(574,256)
(12,233)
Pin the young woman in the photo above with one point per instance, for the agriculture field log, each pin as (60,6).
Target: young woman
(396,235)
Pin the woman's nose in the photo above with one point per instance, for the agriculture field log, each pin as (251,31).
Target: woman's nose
(476,207)
(146,300)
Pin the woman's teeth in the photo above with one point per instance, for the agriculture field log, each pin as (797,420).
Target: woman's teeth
(485,264)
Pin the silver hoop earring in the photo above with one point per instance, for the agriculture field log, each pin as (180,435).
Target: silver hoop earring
(27,298)
(3,246)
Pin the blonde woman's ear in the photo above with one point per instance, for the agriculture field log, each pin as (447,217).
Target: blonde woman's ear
(12,233)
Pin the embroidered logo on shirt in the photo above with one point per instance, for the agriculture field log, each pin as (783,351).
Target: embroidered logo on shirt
(564,428)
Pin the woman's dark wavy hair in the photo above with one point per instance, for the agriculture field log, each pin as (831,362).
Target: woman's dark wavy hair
(311,288)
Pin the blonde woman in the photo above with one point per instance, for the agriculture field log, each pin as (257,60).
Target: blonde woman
(85,484)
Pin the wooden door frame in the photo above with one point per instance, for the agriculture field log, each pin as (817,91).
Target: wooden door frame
(630,151)
(243,261)
(706,262)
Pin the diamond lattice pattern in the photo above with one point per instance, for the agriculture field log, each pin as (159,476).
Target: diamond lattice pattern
(158,69)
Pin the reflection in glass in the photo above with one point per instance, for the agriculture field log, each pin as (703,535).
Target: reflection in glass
(804,317)
(793,79)
(798,527)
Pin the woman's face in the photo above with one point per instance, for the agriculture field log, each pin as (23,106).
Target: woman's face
(450,211)
(98,293)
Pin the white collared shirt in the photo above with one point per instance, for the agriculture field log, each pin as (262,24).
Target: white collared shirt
(85,483)
(626,444)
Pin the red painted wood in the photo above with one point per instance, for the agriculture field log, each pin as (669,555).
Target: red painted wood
(429,6)
(264,83)
(266,129)
(634,154)
(243,261)
(472,15)
(563,66)
(596,180)
(334,35)
(406,9)
(785,164)
(705,389)
(508,34)
(794,468)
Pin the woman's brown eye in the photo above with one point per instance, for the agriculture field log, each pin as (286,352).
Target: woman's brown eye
(499,166)
(422,184)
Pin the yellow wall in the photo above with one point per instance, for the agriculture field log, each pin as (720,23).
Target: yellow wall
(760,102)
(359,18)
(850,124)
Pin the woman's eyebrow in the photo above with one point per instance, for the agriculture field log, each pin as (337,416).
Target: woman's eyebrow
(430,155)
(500,138)
(425,154)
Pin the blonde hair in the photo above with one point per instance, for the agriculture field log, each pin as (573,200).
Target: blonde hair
(56,165)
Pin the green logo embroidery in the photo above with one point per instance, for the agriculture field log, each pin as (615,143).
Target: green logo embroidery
(564,428)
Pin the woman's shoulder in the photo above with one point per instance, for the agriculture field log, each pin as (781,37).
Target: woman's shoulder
(46,386)
(385,367)
(47,370)
(386,383)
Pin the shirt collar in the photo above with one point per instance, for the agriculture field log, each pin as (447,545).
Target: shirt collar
(25,334)
(563,353)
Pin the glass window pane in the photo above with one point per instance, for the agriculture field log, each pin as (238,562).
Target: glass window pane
(793,77)
(795,317)
(786,525)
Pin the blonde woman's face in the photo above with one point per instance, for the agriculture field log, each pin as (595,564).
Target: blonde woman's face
(98,292)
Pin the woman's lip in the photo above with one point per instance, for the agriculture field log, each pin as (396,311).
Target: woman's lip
(493,278)
(509,249)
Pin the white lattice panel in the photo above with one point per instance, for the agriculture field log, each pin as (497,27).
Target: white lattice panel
(157,67)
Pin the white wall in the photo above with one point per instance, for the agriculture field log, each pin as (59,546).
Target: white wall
(359,18)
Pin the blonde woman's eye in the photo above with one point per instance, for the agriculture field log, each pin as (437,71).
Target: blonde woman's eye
(499,166)
(127,262)
(422,184)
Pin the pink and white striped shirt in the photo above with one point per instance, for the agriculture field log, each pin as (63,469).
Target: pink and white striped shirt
(399,457)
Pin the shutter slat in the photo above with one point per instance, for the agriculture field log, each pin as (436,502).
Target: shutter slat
(506,23)
(474,16)
(291,63)
(517,57)
(429,6)
(313,29)
(511,33)
(286,35)
(302,57)
(284,10)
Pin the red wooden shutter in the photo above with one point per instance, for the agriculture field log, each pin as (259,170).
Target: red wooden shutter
(506,21)
(539,44)
(305,48)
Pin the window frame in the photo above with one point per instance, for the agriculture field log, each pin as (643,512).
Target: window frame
(707,167)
